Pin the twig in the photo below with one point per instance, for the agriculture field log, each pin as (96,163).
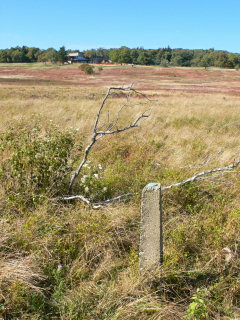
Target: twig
(98,134)
(132,125)
(114,199)
(205,162)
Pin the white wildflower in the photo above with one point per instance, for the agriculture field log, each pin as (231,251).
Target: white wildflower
(228,254)
(105,189)
(96,175)
(86,189)
(83,179)
(100,167)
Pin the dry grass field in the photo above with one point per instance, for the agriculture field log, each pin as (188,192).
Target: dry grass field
(67,261)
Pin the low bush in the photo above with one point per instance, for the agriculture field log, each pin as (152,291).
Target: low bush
(86,68)
(36,162)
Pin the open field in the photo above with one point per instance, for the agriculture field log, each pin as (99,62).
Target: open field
(67,261)
(146,78)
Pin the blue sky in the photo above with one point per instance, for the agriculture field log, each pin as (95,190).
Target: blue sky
(92,24)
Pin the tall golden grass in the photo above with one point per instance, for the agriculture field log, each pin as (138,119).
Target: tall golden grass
(67,261)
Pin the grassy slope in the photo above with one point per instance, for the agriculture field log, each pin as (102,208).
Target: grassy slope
(66,261)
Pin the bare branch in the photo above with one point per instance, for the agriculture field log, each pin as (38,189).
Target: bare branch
(114,199)
(85,157)
(94,205)
(98,134)
(112,125)
(132,125)
(205,175)
(100,109)
(80,197)
(200,175)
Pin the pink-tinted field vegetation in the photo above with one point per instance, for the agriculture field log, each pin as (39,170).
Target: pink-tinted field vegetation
(145,78)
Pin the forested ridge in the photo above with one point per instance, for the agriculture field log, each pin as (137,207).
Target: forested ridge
(163,56)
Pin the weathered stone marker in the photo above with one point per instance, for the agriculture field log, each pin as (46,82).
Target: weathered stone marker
(151,237)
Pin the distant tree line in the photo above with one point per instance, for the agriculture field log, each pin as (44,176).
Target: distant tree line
(164,57)
(27,54)
(175,57)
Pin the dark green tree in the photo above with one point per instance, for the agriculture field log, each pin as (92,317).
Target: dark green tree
(134,55)
(114,55)
(62,55)
(182,58)
(4,57)
(222,60)
(32,54)
(142,58)
(50,55)
(18,56)
(205,61)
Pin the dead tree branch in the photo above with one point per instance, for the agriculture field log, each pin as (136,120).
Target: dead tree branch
(205,175)
(68,198)
(101,203)
(98,134)
(94,205)
(201,175)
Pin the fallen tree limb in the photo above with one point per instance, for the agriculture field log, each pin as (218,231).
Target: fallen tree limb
(200,176)
(114,199)
(95,205)
(205,175)
(67,198)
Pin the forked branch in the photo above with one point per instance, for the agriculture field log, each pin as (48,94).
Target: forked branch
(99,134)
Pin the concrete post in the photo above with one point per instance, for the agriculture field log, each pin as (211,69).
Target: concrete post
(151,237)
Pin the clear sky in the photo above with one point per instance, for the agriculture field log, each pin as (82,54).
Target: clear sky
(78,24)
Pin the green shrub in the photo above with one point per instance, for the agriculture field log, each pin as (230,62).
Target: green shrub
(82,66)
(86,68)
(36,162)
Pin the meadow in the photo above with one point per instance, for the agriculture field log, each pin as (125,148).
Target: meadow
(65,260)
